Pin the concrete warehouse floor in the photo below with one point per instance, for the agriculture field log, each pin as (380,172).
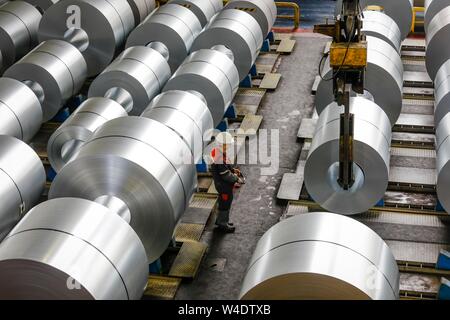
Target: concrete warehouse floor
(255,209)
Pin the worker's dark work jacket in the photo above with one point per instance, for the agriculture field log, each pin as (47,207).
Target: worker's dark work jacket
(224,181)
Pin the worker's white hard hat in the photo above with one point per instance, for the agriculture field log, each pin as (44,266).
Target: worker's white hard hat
(225,138)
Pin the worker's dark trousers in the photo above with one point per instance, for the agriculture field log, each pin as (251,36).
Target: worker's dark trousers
(225,201)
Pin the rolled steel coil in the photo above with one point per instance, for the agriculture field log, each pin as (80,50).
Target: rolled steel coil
(264,12)
(239,32)
(379,25)
(187,114)
(432,8)
(103,28)
(371,156)
(442,93)
(65,142)
(19,22)
(22,181)
(20,110)
(141,9)
(203,9)
(383,79)
(443,161)
(173,25)
(128,159)
(399,10)
(321,256)
(211,73)
(42,5)
(57,68)
(438,33)
(72,249)
(140,71)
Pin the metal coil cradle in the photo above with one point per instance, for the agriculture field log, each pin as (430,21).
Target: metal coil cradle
(300,258)
(22,180)
(372,140)
(384,79)
(19,22)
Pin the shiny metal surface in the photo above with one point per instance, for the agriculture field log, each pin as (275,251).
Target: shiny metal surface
(106,23)
(380,25)
(20,110)
(438,33)
(210,73)
(443,162)
(399,10)
(68,242)
(321,256)
(432,8)
(79,127)
(372,139)
(173,25)
(203,9)
(58,67)
(42,5)
(186,114)
(236,30)
(264,12)
(141,9)
(22,180)
(116,162)
(442,93)
(141,71)
(384,79)
(19,22)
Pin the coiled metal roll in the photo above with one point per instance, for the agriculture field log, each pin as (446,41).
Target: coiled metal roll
(42,5)
(20,110)
(141,9)
(102,31)
(432,8)
(211,73)
(141,71)
(399,10)
(203,9)
(384,79)
(153,177)
(187,114)
(236,30)
(442,93)
(443,161)
(438,33)
(264,12)
(22,181)
(379,25)
(19,22)
(371,156)
(79,127)
(321,256)
(72,249)
(173,25)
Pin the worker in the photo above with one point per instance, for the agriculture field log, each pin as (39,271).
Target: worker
(226,177)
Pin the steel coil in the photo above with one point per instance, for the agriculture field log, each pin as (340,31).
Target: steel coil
(211,73)
(432,8)
(57,67)
(438,33)
(187,114)
(443,161)
(173,25)
(141,9)
(126,158)
(22,181)
(65,142)
(72,249)
(371,156)
(42,5)
(264,12)
(141,71)
(20,110)
(442,93)
(104,27)
(203,9)
(379,25)
(321,256)
(384,79)
(239,32)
